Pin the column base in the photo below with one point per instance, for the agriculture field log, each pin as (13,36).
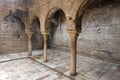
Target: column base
(29,54)
(45,61)
(73,74)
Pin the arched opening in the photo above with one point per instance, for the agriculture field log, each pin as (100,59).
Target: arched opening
(13,38)
(100,27)
(56,22)
(37,38)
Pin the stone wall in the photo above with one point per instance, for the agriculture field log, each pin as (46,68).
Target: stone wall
(61,38)
(37,39)
(100,28)
(100,36)
(13,38)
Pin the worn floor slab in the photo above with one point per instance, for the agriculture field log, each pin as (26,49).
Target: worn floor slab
(87,68)
(27,69)
(20,67)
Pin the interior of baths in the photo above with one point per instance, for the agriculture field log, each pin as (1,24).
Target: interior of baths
(59,39)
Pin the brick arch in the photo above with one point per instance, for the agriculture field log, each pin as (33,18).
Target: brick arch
(15,15)
(15,32)
(35,18)
(51,14)
(37,37)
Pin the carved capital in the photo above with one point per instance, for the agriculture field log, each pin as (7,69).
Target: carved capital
(29,30)
(29,33)
(73,34)
(30,36)
(44,33)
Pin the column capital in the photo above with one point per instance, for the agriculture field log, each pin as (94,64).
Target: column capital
(29,34)
(73,34)
(45,33)
(29,31)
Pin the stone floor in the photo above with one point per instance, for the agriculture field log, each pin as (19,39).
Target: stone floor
(20,67)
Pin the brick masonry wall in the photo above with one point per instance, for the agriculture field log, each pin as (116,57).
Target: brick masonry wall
(61,38)
(100,36)
(13,38)
(37,39)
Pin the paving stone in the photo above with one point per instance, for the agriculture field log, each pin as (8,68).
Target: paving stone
(51,65)
(95,75)
(116,74)
(27,69)
(54,76)
(81,77)
(107,75)
(67,73)
(61,69)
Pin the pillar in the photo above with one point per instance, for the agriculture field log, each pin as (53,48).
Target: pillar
(73,36)
(45,35)
(29,43)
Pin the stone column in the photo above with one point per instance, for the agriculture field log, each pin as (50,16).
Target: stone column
(29,43)
(73,36)
(45,35)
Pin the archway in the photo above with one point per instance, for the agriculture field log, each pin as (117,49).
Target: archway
(13,27)
(13,36)
(37,38)
(56,23)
